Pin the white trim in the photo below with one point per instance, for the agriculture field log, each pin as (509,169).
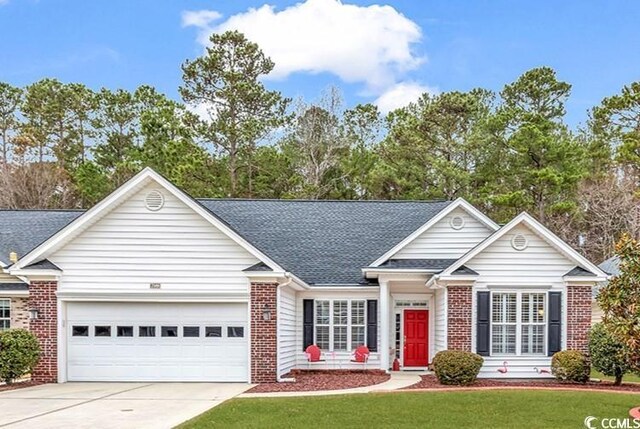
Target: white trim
(8,293)
(92,214)
(151,296)
(540,229)
(459,203)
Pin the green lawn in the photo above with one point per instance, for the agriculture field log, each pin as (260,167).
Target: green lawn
(627,377)
(481,409)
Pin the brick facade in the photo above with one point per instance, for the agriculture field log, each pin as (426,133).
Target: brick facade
(264,335)
(578,316)
(42,296)
(19,313)
(459,317)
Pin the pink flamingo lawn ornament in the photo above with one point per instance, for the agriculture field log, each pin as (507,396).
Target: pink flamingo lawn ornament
(541,370)
(504,369)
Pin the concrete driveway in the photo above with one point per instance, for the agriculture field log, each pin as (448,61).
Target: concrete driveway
(111,405)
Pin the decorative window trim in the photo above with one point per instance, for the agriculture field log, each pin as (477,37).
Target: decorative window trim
(5,321)
(519,324)
(332,325)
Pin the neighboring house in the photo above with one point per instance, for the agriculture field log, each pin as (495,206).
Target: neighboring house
(152,285)
(611,267)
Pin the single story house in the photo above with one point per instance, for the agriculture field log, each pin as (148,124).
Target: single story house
(153,285)
(612,267)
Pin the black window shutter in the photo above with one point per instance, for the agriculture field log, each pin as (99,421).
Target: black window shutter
(307,323)
(483,323)
(372,325)
(555,323)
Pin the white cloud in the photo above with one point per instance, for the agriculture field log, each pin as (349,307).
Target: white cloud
(400,95)
(197,18)
(360,44)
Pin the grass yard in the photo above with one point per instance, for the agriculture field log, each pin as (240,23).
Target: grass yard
(481,409)
(628,377)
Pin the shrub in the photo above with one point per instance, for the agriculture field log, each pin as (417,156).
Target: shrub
(19,354)
(570,365)
(457,367)
(608,355)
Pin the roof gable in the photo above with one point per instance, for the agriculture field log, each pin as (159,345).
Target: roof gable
(458,206)
(143,179)
(524,220)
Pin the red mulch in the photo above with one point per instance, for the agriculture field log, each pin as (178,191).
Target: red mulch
(431,382)
(18,385)
(323,380)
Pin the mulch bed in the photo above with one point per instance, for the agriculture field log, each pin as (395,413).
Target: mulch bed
(431,382)
(323,380)
(18,385)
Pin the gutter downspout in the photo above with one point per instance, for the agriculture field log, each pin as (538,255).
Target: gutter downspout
(279,379)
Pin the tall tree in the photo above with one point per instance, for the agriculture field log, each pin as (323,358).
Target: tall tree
(434,145)
(238,110)
(617,121)
(542,162)
(10,100)
(316,142)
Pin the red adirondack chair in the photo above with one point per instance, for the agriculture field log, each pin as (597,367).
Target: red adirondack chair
(313,354)
(361,355)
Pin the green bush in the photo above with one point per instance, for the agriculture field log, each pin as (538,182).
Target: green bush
(608,355)
(19,354)
(456,367)
(570,365)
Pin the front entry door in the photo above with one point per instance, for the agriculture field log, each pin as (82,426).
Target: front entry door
(416,337)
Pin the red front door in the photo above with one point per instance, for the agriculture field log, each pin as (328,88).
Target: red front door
(416,337)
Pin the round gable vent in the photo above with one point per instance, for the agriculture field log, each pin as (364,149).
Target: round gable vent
(519,242)
(457,222)
(154,201)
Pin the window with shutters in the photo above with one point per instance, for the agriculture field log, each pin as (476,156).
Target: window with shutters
(518,323)
(5,314)
(341,324)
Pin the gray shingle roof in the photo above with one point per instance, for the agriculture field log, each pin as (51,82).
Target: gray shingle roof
(611,266)
(260,266)
(322,242)
(23,230)
(464,271)
(45,264)
(425,264)
(579,272)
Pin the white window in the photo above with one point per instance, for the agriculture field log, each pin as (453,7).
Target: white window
(518,323)
(5,314)
(340,325)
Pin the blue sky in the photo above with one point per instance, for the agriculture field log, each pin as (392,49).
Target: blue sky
(374,54)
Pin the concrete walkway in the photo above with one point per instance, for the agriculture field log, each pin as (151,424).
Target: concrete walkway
(398,380)
(111,405)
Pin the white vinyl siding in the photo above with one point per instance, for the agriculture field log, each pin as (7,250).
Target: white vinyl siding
(539,263)
(131,247)
(441,241)
(440,336)
(286,331)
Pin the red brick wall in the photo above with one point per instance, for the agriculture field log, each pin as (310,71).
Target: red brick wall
(264,336)
(42,296)
(578,317)
(459,315)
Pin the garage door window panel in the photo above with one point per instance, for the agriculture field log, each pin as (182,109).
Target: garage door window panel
(124,331)
(169,331)
(102,331)
(190,331)
(235,332)
(80,331)
(213,331)
(147,331)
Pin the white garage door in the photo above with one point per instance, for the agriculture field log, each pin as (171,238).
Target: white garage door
(156,342)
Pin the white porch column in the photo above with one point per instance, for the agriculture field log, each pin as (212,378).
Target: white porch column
(384,324)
